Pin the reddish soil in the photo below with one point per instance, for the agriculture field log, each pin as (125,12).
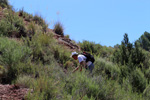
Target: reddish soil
(12,92)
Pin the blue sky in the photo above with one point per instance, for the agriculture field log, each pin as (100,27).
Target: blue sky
(101,21)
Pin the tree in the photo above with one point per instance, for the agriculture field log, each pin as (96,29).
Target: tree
(129,54)
(144,41)
(137,55)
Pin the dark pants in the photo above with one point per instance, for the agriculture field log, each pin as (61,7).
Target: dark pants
(91,67)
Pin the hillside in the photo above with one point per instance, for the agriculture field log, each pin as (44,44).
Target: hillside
(35,63)
(18,91)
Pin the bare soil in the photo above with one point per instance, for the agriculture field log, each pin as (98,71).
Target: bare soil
(12,92)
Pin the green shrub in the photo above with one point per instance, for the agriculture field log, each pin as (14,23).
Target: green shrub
(44,89)
(12,25)
(4,3)
(90,47)
(69,65)
(3,72)
(60,54)
(103,67)
(24,80)
(80,85)
(67,36)
(49,84)
(39,20)
(41,48)
(12,53)
(138,81)
(96,49)
(31,28)
(83,86)
(147,74)
(125,73)
(58,29)
(146,93)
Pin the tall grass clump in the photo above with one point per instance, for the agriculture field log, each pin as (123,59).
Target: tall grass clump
(59,29)
(12,54)
(39,20)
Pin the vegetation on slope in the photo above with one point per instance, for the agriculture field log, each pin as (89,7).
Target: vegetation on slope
(31,57)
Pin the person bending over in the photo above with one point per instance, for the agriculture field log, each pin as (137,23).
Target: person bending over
(83,62)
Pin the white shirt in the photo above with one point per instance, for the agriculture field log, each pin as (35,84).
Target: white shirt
(83,58)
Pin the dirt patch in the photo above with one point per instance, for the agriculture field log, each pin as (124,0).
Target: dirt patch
(12,92)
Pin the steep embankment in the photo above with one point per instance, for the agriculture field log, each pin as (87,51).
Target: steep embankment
(17,92)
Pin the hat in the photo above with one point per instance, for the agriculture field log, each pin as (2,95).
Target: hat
(73,53)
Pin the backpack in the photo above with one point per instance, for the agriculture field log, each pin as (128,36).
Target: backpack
(89,57)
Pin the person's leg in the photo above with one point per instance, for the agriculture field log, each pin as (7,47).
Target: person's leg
(91,67)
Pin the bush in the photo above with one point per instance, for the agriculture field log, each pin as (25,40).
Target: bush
(2,73)
(67,36)
(12,25)
(147,74)
(96,49)
(146,93)
(41,46)
(90,47)
(45,49)
(138,81)
(60,54)
(39,20)
(49,84)
(12,53)
(69,66)
(82,86)
(4,3)
(44,89)
(31,28)
(106,68)
(24,80)
(58,29)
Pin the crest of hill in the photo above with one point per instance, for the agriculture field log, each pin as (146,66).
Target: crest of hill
(38,20)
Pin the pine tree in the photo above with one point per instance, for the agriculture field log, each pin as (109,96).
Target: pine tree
(144,41)
(127,54)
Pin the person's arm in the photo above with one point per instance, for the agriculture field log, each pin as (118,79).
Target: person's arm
(76,69)
(82,64)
